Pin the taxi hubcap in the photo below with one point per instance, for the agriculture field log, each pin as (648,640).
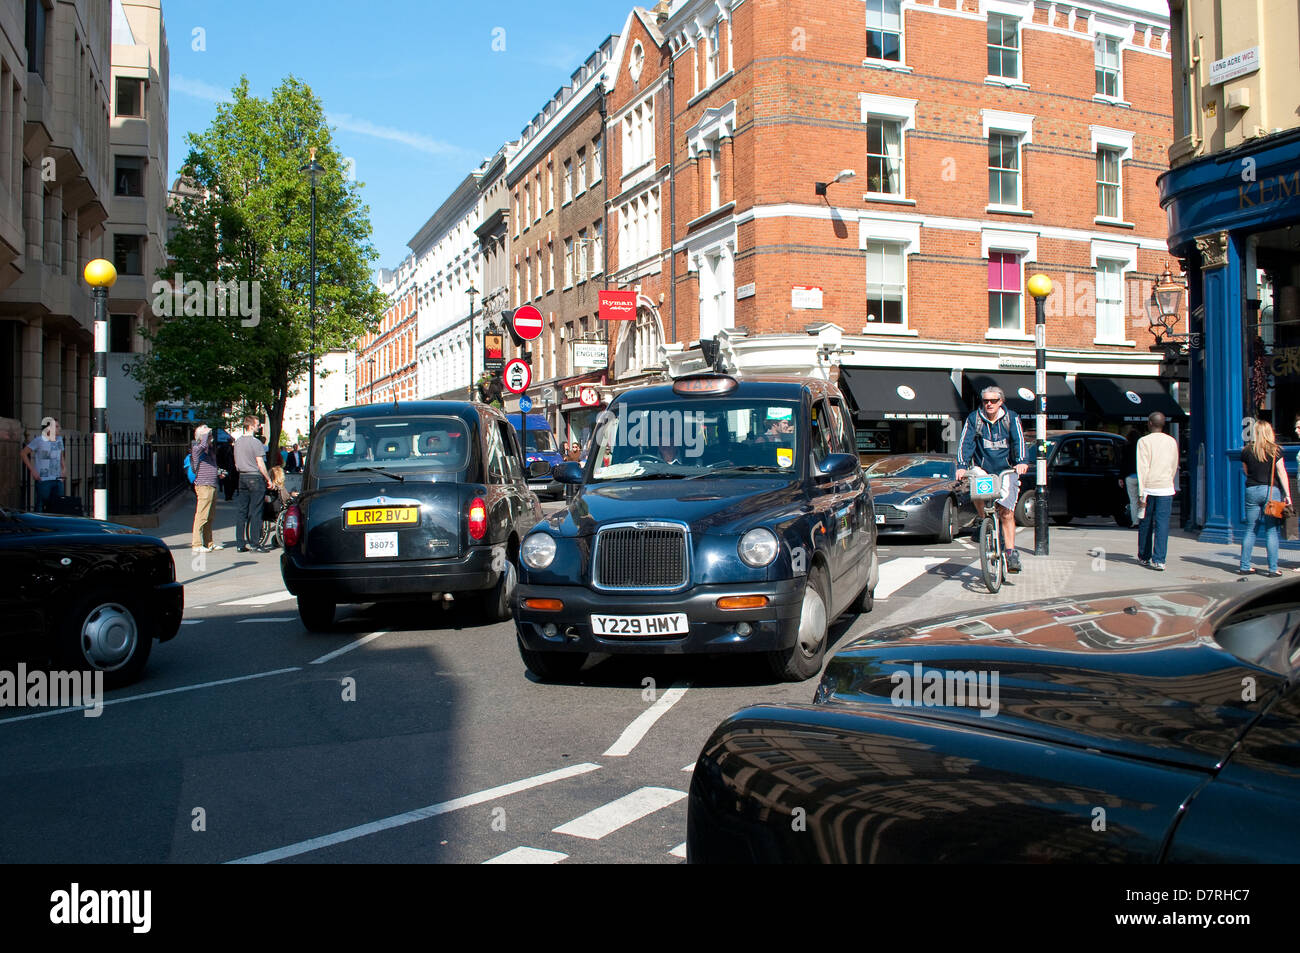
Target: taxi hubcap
(812,622)
(109,636)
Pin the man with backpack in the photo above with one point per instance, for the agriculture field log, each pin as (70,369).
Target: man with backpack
(203,463)
(994,440)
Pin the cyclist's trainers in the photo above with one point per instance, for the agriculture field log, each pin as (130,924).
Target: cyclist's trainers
(1013,561)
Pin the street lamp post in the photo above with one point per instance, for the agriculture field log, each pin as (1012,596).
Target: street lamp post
(471,291)
(313,169)
(1040,286)
(100,275)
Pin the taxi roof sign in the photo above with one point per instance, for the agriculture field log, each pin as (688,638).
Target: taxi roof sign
(705,384)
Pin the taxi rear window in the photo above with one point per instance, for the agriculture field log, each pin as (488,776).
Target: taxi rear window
(392,443)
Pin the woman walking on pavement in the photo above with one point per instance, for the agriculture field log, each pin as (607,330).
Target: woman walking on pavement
(1266,480)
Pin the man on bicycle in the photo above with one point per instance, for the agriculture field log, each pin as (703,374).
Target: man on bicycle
(994,440)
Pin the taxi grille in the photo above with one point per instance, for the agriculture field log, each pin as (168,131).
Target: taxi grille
(652,556)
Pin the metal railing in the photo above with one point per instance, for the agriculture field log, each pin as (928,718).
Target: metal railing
(143,475)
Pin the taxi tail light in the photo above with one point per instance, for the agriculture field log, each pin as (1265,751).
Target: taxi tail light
(291,518)
(477,518)
(544,605)
(742,602)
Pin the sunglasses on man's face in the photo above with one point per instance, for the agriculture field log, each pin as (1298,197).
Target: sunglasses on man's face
(992,400)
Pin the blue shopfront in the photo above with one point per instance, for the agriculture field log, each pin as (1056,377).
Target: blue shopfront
(1234,221)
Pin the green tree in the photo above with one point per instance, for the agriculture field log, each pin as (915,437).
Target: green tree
(244,217)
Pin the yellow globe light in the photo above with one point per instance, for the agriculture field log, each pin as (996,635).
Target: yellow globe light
(100,273)
(1040,286)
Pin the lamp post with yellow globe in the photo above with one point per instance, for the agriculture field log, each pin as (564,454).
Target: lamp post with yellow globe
(1040,286)
(100,275)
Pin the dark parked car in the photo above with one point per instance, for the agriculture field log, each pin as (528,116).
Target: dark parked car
(716,515)
(918,494)
(1083,478)
(92,595)
(1136,727)
(541,454)
(405,502)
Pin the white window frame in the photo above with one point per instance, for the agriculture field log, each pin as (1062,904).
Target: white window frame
(901,62)
(1017,79)
(568,182)
(1004,332)
(550,195)
(580,163)
(898,110)
(597,249)
(1125,254)
(1012,124)
(1109,32)
(906,235)
(568,263)
(713,54)
(1117,140)
(1024,244)
(597,160)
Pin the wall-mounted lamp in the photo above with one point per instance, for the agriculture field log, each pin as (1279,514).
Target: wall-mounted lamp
(844,175)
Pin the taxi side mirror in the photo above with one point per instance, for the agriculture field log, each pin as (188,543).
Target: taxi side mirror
(568,473)
(838,466)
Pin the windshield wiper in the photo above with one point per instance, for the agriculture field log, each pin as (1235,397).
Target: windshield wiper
(396,476)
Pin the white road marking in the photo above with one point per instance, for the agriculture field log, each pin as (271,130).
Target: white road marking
(287,618)
(193,621)
(608,818)
(690,768)
(348,648)
(265,599)
(528,855)
(899,571)
(419,814)
(965,544)
(157,694)
(679,850)
(643,722)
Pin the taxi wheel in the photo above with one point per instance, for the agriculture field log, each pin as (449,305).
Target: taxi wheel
(553,666)
(317,615)
(103,633)
(499,601)
(804,659)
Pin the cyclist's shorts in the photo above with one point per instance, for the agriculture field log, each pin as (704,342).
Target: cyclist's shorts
(1012,486)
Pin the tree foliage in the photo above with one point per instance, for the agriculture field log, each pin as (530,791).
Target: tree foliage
(245,217)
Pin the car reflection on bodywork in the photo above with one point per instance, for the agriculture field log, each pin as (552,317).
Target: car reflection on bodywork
(1173,715)
(919,494)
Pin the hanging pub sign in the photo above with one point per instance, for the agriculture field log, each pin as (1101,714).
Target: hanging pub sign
(493,351)
(617,305)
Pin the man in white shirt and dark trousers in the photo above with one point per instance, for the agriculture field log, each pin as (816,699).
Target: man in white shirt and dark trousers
(1157,459)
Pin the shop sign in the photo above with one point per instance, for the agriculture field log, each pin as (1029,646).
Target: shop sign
(1016,362)
(588,355)
(1285,362)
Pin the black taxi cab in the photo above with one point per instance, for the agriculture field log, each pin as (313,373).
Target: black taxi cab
(716,514)
(406,501)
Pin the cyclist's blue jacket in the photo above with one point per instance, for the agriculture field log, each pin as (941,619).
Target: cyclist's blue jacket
(994,445)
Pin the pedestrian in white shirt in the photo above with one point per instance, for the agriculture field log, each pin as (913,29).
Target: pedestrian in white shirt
(1157,459)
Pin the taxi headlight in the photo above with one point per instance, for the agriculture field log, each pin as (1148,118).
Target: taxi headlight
(758,548)
(538,551)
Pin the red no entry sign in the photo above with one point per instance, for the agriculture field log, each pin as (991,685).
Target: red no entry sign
(528,322)
(516,375)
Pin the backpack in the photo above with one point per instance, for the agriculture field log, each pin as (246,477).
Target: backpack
(188,466)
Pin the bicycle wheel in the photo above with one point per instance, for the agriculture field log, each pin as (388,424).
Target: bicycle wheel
(990,554)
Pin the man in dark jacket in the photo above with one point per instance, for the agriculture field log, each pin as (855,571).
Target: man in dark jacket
(994,441)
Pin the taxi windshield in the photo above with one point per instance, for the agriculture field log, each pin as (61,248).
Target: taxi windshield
(696,437)
(391,443)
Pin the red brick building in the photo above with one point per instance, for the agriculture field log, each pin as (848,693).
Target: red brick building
(386,366)
(980,141)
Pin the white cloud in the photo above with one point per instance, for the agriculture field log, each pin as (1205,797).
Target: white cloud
(416,140)
(348,123)
(198,89)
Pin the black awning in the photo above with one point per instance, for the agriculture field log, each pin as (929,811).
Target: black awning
(1130,398)
(901,393)
(1019,388)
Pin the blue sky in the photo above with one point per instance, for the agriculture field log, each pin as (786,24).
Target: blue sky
(414,89)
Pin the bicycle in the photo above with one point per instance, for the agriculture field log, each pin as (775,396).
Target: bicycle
(987,489)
